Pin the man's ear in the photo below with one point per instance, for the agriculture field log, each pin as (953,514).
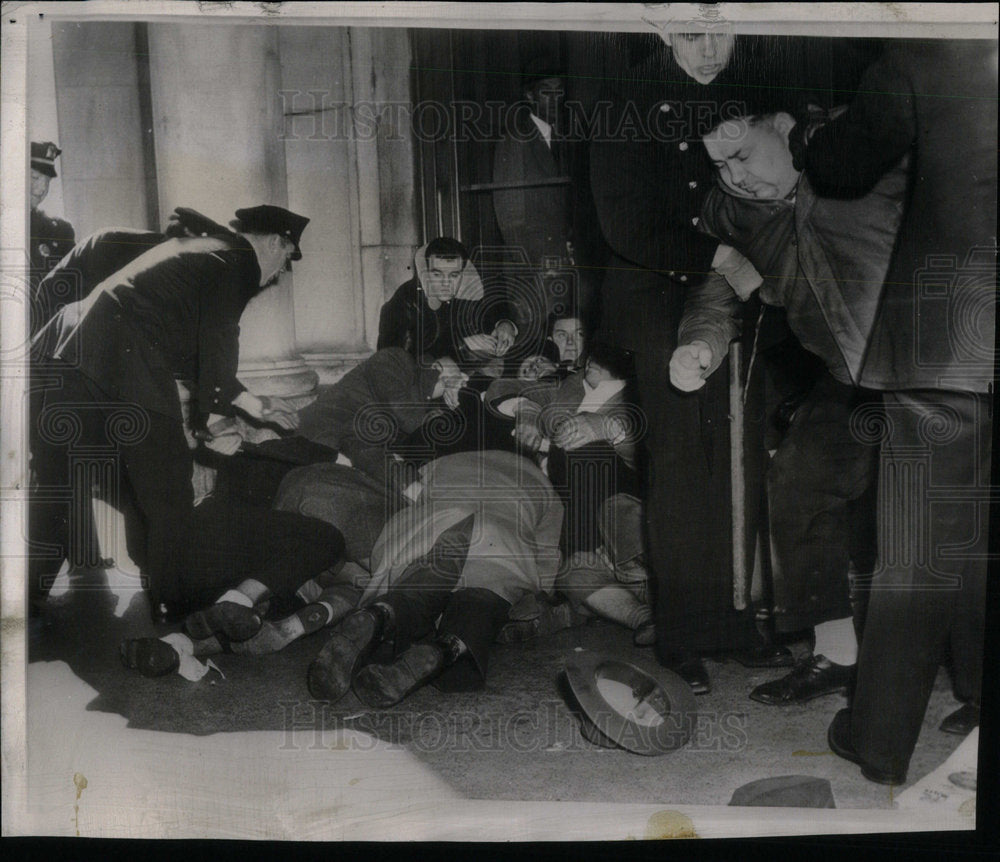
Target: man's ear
(783,123)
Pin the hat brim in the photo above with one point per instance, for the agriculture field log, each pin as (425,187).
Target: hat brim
(659,689)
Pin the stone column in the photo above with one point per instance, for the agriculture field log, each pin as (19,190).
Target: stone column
(218,129)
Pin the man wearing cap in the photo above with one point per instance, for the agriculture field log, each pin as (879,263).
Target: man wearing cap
(171,313)
(51,237)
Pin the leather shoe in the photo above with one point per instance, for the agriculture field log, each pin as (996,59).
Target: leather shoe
(962,721)
(765,655)
(150,656)
(237,622)
(352,641)
(692,670)
(839,739)
(384,685)
(810,678)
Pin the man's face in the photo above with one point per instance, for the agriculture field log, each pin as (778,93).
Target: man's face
(594,374)
(444,275)
(535,367)
(568,337)
(701,55)
(39,187)
(274,258)
(547,96)
(754,159)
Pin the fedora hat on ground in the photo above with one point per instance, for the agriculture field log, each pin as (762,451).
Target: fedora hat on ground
(643,709)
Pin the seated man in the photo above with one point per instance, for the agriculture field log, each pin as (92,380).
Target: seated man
(444,311)
(380,404)
(824,261)
(612,581)
(482,534)
(585,426)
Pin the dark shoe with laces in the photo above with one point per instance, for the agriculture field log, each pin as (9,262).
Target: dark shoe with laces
(235,621)
(150,656)
(962,721)
(810,678)
(839,739)
(352,641)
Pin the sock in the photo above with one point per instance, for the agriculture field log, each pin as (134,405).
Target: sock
(837,641)
(236,597)
(309,591)
(452,646)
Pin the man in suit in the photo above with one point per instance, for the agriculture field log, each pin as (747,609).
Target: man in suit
(534,213)
(932,355)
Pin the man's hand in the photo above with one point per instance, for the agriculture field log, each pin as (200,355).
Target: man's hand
(450,381)
(225,444)
(268,409)
(221,435)
(528,435)
(689,364)
(503,334)
(579,430)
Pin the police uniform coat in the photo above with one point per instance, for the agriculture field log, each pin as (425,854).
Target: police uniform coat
(650,173)
(172,313)
(51,239)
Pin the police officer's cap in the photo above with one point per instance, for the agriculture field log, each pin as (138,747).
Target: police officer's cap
(270,219)
(43,157)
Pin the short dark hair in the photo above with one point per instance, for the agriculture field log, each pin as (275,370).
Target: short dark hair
(617,360)
(447,248)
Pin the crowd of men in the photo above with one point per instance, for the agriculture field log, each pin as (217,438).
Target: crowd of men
(569,436)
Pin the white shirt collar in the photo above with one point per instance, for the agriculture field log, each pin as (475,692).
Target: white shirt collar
(545,129)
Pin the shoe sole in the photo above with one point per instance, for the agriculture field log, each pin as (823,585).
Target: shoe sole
(214,620)
(842,689)
(323,682)
(151,657)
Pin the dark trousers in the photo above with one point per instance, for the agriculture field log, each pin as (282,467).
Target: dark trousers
(821,498)
(427,591)
(685,471)
(584,478)
(929,592)
(190,554)
(82,440)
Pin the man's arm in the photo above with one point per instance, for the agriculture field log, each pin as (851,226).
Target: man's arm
(848,155)
(710,321)
(221,304)
(394,323)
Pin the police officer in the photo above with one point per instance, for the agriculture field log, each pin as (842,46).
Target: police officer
(51,237)
(650,174)
(172,312)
